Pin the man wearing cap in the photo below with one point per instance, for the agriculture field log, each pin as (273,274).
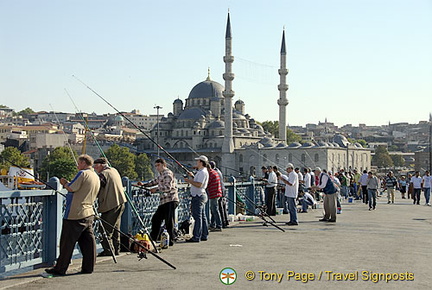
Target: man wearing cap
(111,200)
(330,196)
(78,218)
(168,196)
(199,199)
(291,193)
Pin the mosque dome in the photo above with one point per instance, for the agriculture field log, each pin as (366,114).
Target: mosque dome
(216,124)
(239,102)
(118,118)
(206,89)
(178,101)
(237,115)
(294,145)
(192,114)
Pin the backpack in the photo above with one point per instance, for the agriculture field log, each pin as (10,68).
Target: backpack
(329,188)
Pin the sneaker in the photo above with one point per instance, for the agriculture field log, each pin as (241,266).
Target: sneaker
(323,220)
(104,254)
(388,202)
(192,241)
(428,204)
(331,221)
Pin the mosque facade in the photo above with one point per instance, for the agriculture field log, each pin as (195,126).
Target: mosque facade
(207,123)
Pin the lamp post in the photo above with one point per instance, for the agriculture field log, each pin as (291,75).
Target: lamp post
(157,127)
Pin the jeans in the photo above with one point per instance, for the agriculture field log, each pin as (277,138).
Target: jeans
(200,230)
(305,203)
(215,219)
(344,191)
(372,198)
(427,192)
(292,208)
(416,195)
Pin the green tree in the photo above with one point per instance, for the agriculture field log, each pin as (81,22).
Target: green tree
(12,156)
(271,127)
(3,106)
(59,163)
(143,167)
(362,142)
(398,160)
(382,157)
(26,111)
(292,137)
(123,160)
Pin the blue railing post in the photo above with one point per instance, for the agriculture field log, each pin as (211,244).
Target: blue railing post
(126,221)
(232,196)
(52,223)
(251,195)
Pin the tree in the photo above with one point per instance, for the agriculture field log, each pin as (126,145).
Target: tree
(382,157)
(398,160)
(273,128)
(143,167)
(123,160)
(59,163)
(26,111)
(362,142)
(12,156)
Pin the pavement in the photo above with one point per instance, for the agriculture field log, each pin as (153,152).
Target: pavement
(389,248)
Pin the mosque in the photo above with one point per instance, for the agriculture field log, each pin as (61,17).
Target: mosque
(208,123)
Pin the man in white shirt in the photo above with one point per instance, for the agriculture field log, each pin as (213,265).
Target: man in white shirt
(271,191)
(306,201)
(306,179)
(426,185)
(416,181)
(363,183)
(291,193)
(199,199)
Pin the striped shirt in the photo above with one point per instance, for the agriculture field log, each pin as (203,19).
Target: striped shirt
(214,188)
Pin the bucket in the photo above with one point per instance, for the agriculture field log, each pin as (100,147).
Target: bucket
(350,200)
(279,210)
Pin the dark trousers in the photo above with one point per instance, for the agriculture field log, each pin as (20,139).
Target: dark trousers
(110,219)
(365,194)
(270,200)
(74,231)
(416,195)
(164,212)
(223,210)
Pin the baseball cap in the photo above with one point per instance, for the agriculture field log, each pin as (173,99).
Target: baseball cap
(202,158)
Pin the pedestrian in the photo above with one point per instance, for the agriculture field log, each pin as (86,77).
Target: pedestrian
(271,192)
(307,201)
(416,182)
(390,183)
(356,184)
(330,196)
(403,186)
(214,191)
(223,204)
(372,187)
(78,218)
(199,199)
(426,185)
(363,184)
(166,185)
(111,205)
(291,193)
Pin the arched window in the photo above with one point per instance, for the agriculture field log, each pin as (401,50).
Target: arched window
(316,157)
(303,157)
(290,157)
(241,158)
(277,158)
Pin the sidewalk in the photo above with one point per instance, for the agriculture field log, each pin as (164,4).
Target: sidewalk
(396,238)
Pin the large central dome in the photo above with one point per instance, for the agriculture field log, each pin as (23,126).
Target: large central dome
(206,89)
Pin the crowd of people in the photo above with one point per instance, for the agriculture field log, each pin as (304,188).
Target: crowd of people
(295,192)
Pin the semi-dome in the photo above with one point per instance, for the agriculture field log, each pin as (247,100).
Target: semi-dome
(206,89)
(192,113)
(216,124)
(294,145)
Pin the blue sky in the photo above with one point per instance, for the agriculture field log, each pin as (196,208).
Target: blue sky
(365,61)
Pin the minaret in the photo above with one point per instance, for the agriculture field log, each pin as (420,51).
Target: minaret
(282,87)
(228,93)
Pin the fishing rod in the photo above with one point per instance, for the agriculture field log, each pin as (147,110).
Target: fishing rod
(109,164)
(97,217)
(133,124)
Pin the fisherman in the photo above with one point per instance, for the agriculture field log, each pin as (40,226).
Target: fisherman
(78,218)
(111,201)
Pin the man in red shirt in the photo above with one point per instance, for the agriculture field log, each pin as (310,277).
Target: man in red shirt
(214,191)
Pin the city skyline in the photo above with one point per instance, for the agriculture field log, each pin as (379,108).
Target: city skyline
(362,62)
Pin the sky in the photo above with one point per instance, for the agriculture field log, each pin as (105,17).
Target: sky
(352,62)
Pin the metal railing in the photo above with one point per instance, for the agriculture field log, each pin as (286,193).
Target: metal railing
(31,219)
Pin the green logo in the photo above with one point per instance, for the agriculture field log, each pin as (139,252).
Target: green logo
(227,276)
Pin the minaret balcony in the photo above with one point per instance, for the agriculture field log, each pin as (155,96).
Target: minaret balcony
(228,58)
(228,76)
(283,71)
(282,102)
(283,87)
(228,94)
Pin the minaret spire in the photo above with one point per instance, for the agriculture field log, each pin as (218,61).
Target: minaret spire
(282,87)
(228,93)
